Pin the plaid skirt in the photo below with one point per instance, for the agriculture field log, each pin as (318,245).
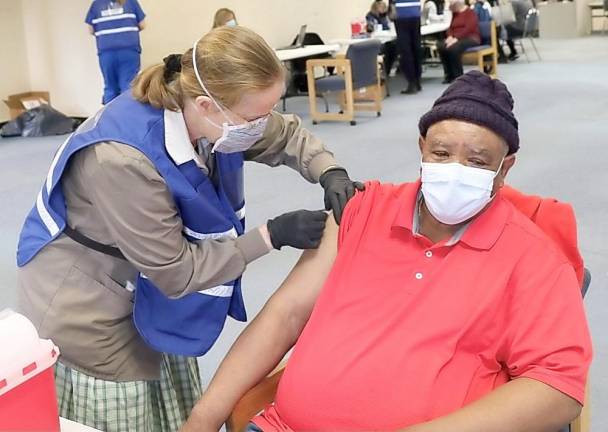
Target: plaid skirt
(133,406)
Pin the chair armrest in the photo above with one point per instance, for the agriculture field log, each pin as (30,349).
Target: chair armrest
(255,400)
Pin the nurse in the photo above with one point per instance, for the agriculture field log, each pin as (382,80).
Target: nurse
(132,256)
(116,25)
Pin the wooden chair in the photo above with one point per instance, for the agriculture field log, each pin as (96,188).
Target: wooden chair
(354,72)
(479,54)
(254,401)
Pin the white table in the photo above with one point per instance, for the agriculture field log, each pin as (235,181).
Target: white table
(390,35)
(433,28)
(307,51)
(69,426)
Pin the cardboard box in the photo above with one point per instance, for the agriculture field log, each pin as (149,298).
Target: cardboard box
(19,103)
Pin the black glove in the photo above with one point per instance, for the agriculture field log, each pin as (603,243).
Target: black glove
(301,229)
(339,188)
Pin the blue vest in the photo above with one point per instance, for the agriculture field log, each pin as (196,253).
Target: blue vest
(115,26)
(407,9)
(189,325)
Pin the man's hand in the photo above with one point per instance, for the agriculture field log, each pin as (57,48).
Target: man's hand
(450,41)
(339,189)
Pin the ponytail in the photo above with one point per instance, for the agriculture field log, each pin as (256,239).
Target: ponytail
(152,87)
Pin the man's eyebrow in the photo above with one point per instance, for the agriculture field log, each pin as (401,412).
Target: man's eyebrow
(479,151)
(438,142)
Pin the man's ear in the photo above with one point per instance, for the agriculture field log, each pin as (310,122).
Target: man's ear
(421,143)
(507,164)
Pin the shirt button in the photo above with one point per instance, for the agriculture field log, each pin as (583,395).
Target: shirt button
(418,276)
(429,254)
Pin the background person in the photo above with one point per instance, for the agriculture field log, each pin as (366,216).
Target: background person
(148,197)
(116,25)
(224,17)
(462,34)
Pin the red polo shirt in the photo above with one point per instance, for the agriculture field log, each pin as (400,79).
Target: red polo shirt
(405,330)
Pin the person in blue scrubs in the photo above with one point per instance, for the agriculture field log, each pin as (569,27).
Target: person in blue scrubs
(116,25)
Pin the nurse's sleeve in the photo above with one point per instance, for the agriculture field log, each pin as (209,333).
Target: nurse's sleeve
(134,202)
(90,15)
(286,142)
(139,12)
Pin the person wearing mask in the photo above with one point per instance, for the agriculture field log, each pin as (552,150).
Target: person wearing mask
(116,25)
(436,306)
(224,17)
(406,14)
(131,259)
(378,16)
(516,29)
(462,34)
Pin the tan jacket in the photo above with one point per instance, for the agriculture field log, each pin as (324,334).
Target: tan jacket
(79,298)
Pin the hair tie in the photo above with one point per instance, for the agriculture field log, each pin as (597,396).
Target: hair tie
(173,64)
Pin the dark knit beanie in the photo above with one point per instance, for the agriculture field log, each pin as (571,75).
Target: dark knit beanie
(476,98)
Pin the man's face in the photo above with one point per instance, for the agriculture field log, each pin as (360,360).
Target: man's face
(456,5)
(471,145)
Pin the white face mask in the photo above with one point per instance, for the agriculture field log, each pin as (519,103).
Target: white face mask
(454,193)
(238,138)
(234,138)
(231,23)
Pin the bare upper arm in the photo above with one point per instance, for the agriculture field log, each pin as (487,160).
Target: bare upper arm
(142,24)
(298,293)
(91,29)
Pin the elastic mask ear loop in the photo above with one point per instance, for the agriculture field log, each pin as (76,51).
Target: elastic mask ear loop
(496,174)
(200,81)
(500,166)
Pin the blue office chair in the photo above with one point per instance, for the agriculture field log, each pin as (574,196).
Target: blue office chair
(358,69)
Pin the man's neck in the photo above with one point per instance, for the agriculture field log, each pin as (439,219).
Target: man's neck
(434,230)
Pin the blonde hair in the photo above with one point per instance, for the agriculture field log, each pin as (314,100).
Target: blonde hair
(375,7)
(230,60)
(222,16)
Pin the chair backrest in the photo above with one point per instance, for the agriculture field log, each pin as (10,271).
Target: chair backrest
(586,281)
(531,23)
(487,32)
(363,58)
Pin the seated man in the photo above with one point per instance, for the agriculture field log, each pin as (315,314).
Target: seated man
(462,35)
(436,306)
